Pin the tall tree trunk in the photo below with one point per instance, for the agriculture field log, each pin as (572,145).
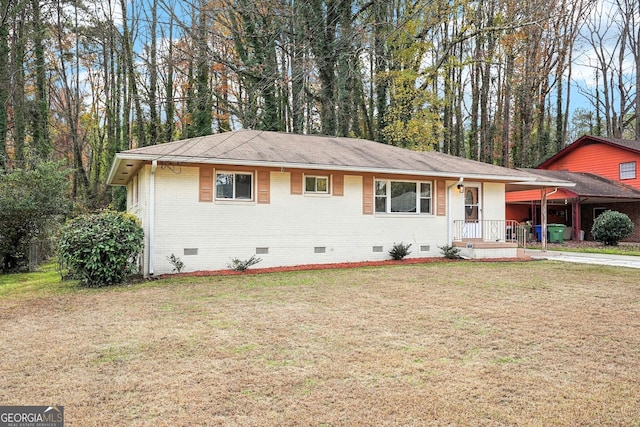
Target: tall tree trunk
(4,80)
(506,118)
(486,135)
(202,118)
(40,111)
(70,100)
(637,65)
(154,120)
(170,112)
(18,98)
(127,47)
(345,71)
(559,113)
(325,17)
(474,145)
(459,148)
(297,55)
(381,78)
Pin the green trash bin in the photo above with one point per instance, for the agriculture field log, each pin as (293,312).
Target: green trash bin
(556,233)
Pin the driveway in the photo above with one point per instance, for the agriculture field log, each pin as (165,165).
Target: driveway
(587,258)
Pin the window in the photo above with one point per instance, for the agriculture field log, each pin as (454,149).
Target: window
(402,197)
(628,170)
(234,186)
(598,211)
(425,197)
(316,184)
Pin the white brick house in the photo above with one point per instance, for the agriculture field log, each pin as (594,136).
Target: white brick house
(294,199)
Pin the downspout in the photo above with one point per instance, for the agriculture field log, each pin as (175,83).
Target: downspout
(152,213)
(449,223)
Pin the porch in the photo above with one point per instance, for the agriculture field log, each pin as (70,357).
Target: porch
(479,239)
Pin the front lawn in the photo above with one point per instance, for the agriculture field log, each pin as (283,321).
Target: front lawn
(463,343)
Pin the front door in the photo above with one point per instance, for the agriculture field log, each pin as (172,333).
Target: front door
(472,212)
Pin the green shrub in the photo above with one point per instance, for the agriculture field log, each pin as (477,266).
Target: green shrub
(610,227)
(399,251)
(239,265)
(101,249)
(450,251)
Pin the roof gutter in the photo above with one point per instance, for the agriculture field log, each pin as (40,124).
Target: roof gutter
(152,215)
(114,168)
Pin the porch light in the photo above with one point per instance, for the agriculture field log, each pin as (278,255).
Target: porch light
(460,188)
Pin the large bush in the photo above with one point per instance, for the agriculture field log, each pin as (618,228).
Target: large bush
(101,249)
(33,203)
(610,227)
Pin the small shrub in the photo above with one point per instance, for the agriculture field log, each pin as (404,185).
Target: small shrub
(239,265)
(610,227)
(450,251)
(399,251)
(101,249)
(177,263)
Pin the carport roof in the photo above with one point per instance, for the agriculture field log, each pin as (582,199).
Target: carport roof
(588,184)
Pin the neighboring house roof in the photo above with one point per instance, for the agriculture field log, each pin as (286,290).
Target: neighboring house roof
(625,144)
(589,185)
(282,150)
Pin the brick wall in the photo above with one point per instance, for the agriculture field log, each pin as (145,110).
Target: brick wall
(630,209)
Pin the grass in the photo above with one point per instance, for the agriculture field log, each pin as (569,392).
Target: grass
(464,343)
(44,282)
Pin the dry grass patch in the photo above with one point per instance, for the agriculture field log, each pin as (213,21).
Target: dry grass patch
(537,343)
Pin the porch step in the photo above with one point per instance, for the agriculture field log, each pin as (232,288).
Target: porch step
(479,244)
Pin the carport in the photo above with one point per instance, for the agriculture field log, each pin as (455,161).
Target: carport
(575,207)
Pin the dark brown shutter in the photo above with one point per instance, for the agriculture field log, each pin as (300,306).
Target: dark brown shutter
(367,194)
(338,184)
(441,197)
(296,182)
(206,184)
(264,187)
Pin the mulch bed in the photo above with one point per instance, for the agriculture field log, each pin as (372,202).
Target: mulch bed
(341,265)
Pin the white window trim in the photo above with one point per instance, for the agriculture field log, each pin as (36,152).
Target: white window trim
(628,171)
(388,212)
(319,193)
(234,199)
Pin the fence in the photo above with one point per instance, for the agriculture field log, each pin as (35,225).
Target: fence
(39,252)
(491,231)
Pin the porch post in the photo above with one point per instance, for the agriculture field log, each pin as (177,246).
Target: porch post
(577,219)
(543,219)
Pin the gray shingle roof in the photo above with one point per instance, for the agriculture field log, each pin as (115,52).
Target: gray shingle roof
(627,143)
(261,148)
(589,185)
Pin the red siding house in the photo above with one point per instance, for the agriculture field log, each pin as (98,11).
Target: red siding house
(605,171)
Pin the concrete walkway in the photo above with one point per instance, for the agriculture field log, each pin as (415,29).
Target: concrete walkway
(587,258)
